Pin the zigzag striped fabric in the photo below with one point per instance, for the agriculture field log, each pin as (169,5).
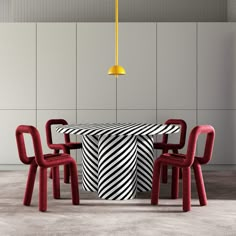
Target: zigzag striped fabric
(117,158)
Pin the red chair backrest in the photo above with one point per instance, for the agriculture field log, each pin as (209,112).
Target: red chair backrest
(28,129)
(48,128)
(192,144)
(183,130)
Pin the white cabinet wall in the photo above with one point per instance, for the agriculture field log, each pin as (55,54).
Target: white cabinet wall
(174,70)
(17,66)
(224,122)
(189,115)
(176,74)
(17,85)
(56,76)
(44,115)
(216,64)
(95,54)
(137,54)
(176,66)
(217,86)
(56,66)
(136,91)
(9,120)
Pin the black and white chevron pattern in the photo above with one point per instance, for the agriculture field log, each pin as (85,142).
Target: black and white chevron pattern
(90,163)
(117,158)
(118,129)
(117,177)
(145,155)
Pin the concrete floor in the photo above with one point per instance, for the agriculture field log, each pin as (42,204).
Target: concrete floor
(132,217)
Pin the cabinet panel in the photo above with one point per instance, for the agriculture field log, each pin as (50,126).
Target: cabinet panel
(9,120)
(44,115)
(189,116)
(139,116)
(56,65)
(224,122)
(176,66)
(96,116)
(137,54)
(18,66)
(216,66)
(95,55)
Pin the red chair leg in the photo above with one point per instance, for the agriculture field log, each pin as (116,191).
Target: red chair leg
(164,174)
(200,184)
(30,184)
(175,183)
(74,184)
(186,189)
(156,183)
(66,174)
(43,189)
(56,182)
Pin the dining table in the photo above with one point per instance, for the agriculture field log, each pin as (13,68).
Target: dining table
(117,158)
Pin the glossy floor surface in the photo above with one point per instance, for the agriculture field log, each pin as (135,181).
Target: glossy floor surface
(133,217)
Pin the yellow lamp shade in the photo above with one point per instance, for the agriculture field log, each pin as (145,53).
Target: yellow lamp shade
(116,70)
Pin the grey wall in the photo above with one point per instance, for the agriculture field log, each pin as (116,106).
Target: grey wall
(103,10)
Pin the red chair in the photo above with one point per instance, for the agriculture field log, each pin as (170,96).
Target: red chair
(185,161)
(165,146)
(57,147)
(44,161)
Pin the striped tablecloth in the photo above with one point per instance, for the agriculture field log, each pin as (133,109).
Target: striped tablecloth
(117,159)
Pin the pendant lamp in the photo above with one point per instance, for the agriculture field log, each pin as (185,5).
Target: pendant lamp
(116,69)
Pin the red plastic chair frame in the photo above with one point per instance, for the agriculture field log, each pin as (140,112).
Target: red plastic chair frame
(175,147)
(186,161)
(57,147)
(44,161)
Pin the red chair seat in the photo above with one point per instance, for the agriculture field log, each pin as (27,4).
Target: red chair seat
(169,159)
(56,159)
